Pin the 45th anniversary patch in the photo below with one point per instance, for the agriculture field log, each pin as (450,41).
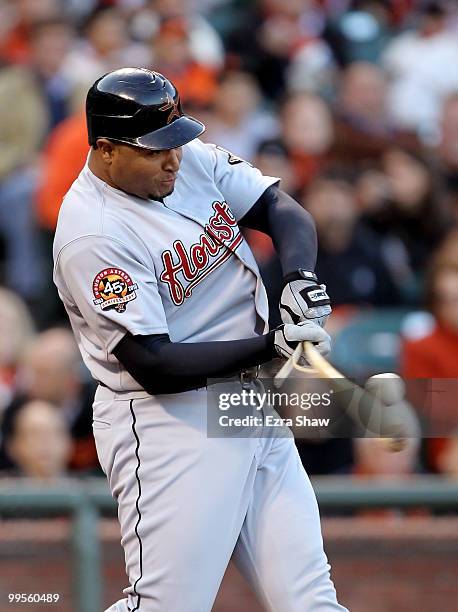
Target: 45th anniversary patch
(113,288)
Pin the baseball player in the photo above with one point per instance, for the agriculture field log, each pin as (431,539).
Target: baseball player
(163,293)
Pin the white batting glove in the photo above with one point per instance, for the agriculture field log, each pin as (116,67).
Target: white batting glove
(287,336)
(303,299)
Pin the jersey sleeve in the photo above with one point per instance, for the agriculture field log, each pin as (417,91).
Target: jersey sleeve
(240,183)
(114,290)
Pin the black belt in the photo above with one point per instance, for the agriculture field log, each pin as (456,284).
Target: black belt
(246,377)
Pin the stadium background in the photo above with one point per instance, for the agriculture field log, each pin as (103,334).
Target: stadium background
(354,104)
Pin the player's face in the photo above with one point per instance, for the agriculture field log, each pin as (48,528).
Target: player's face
(145,173)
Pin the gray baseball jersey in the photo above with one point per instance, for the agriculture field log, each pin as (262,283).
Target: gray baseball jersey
(180,267)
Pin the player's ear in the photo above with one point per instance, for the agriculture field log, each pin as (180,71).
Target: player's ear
(106,148)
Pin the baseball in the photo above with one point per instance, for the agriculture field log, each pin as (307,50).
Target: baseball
(388,387)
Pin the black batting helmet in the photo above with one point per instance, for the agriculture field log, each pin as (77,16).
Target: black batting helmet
(139,107)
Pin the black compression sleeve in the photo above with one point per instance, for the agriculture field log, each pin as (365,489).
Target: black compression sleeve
(161,366)
(290,226)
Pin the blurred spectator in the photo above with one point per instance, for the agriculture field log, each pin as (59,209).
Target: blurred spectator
(104,46)
(417,216)
(321,457)
(362,97)
(271,35)
(373,194)
(363,127)
(36,441)
(433,356)
(429,357)
(172,55)
(350,259)
(52,371)
(448,145)
(373,459)
(361,33)
(272,159)
(307,134)
(448,248)
(206,6)
(39,96)
(447,151)
(64,155)
(18,19)
(50,44)
(237,121)
(406,209)
(312,68)
(16,332)
(423,68)
(34,98)
(447,460)
(205,45)
(78,10)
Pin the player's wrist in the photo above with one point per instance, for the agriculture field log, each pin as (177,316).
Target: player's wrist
(270,342)
(300,274)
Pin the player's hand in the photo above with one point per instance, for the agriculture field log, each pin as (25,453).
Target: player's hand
(304,299)
(287,336)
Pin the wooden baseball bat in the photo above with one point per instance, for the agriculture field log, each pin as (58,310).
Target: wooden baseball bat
(364,408)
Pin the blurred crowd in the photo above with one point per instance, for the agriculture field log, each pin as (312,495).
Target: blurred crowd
(352,103)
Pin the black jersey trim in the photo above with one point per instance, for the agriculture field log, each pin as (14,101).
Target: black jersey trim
(137,504)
